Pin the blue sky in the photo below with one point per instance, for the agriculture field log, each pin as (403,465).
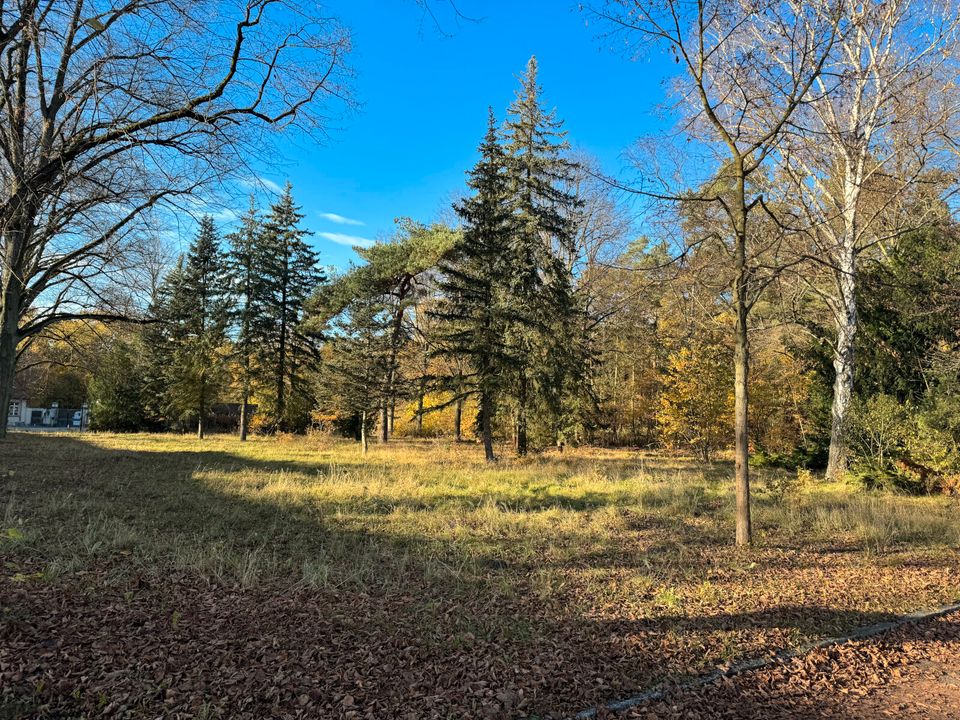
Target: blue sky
(423,96)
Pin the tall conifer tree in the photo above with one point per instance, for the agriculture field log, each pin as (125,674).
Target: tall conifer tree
(157,341)
(248,292)
(288,271)
(541,283)
(475,312)
(198,316)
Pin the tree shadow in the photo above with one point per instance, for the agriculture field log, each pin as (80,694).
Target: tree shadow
(333,572)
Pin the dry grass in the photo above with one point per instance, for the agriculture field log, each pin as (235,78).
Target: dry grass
(320,513)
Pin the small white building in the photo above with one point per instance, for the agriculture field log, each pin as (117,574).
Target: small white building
(20,414)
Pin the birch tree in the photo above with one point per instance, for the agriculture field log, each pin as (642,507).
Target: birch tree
(866,158)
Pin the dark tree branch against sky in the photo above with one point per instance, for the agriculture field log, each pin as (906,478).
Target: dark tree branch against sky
(109,113)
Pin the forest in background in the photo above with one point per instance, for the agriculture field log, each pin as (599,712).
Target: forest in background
(774,278)
(477,328)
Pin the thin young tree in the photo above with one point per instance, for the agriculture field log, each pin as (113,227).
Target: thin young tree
(744,70)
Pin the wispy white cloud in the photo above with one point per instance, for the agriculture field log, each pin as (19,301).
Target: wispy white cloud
(340,219)
(222,215)
(351,240)
(261,183)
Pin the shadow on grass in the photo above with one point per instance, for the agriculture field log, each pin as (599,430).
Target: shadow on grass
(82,502)
(82,497)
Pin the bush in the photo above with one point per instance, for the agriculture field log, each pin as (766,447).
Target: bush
(806,456)
(906,447)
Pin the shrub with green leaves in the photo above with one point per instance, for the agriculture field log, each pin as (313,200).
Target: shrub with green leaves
(907,446)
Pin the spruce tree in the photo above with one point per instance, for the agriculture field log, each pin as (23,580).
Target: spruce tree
(116,389)
(289,275)
(475,311)
(198,314)
(541,283)
(156,339)
(248,293)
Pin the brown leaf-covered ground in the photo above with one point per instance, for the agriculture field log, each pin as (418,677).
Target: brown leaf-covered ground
(911,673)
(147,576)
(180,649)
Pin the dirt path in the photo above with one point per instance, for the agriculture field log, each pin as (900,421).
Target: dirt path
(913,672)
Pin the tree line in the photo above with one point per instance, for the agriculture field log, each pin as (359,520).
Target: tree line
(227,321)
(540,318)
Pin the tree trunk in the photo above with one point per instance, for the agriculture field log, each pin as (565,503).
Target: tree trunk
(486,431)
(458,420)
(201,413)
(385,421)
(741,428)
(244,412)
(396,335)
(282,356)
(245,347)
(742,372)
(8,368)
(9,339)
(363,431)
(420,411)
(843,361)
(521,439)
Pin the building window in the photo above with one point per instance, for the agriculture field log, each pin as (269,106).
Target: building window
(14,410)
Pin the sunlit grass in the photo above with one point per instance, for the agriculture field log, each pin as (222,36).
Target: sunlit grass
(609,526)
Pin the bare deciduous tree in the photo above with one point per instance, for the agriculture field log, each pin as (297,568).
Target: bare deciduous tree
(746,66)
(111,112)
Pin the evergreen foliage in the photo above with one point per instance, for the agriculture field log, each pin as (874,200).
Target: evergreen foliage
(476,310)
(357,359)
(248,292)
(546,315)
(116,390)
(288,275)
(197,313)
(157,341)
(395,276)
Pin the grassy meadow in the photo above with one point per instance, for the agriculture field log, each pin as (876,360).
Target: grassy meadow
(620,560)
